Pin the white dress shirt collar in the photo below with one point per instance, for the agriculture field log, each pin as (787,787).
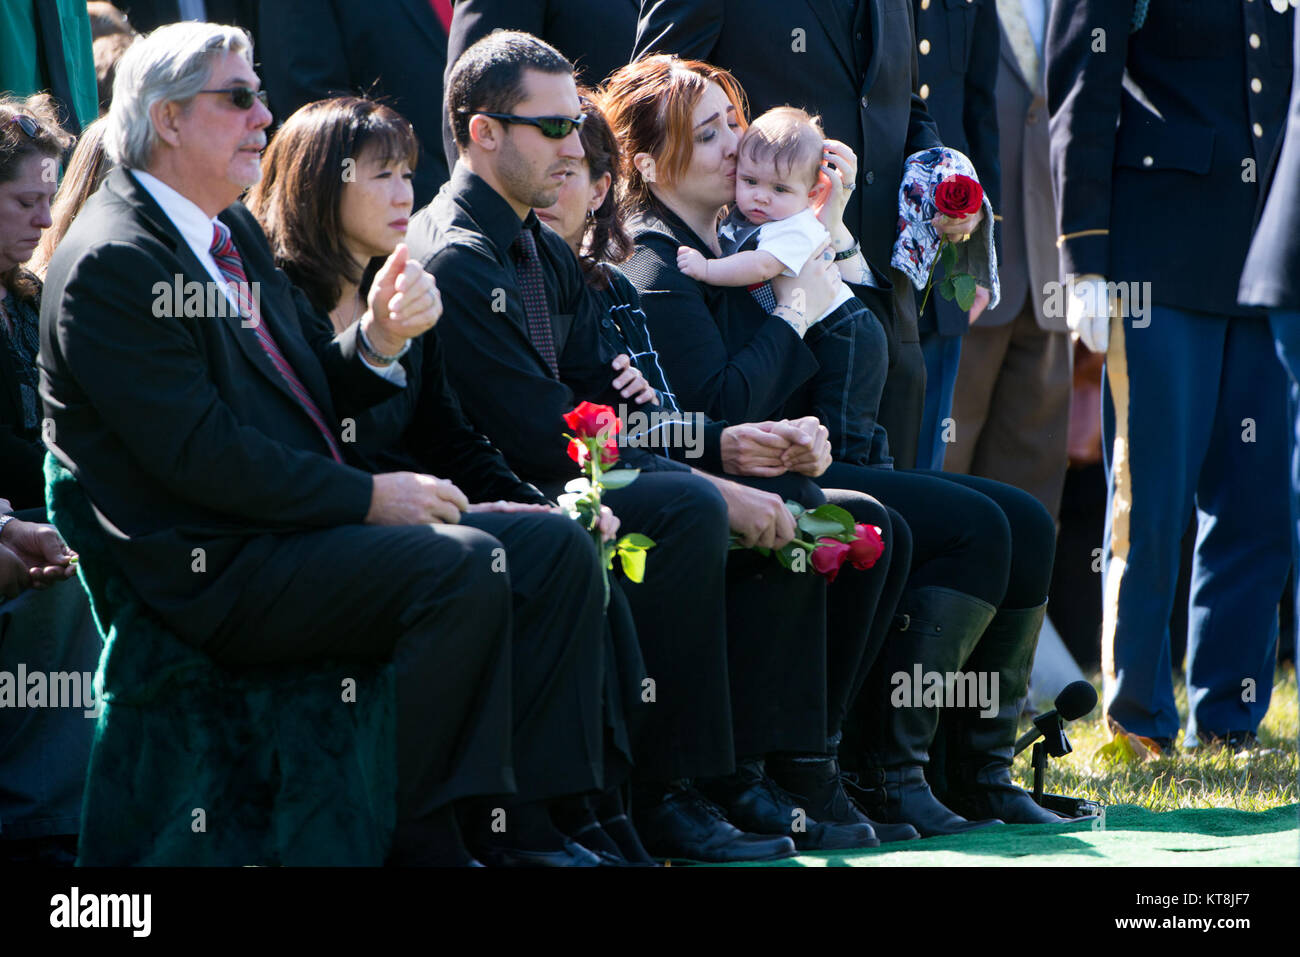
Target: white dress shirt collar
(194,225)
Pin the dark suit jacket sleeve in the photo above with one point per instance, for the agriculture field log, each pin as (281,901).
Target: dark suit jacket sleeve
(149,383)
(495,375)
(354,385)
(304,54)
(981,107)
(688,28)
(443,440)
(1084,95)
(743,386)
(922,131)
(471,21)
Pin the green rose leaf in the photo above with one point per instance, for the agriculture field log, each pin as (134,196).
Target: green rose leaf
(636,540)
(618,478)
(633,561)
(965,288)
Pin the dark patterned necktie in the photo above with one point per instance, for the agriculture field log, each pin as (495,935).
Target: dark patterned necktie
(532,287)
(232,270)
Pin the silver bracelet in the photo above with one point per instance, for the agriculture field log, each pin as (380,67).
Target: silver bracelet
(370,352)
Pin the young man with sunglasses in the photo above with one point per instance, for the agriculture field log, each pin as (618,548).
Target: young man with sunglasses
(521,342)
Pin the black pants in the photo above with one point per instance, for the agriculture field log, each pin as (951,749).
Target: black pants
(453,606)
(970,534)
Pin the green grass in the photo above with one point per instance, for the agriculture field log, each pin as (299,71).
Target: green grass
(1252,781)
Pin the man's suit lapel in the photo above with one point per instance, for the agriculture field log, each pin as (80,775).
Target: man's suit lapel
(877,36)
(843,45)
(421,12)
(157,222)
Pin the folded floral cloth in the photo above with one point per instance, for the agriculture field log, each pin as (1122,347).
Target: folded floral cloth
(918,241)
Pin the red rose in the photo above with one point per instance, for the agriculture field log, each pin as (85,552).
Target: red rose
(828,556)
(866,551)
(588,421)
(578,452)
(958,196)
(609,454)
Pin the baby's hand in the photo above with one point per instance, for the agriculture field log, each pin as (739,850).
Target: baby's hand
(692,263)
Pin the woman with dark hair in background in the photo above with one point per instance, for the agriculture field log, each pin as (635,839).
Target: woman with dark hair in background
(982,551)
(87,168)
(334,198)
(43,750)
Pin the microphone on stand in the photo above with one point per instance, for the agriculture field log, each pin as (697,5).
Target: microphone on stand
(1075,700)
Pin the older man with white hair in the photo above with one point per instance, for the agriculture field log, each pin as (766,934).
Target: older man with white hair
(211,436)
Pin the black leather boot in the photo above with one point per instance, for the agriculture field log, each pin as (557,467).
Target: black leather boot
(816,782)
(935,629)
(757,803)
(980,748)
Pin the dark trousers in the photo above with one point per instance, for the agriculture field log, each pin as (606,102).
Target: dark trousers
(453,606)
(683,711)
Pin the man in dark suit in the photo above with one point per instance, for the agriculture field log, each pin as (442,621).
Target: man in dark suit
(211,439)
(958,47)
(1155,166)
(596,35)
(395,49)
(1011,405)
(855,64)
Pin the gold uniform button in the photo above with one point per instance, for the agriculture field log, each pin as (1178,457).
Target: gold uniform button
(925,4)
(924,47)
(925,91)
(1254,41)
(1148,161)
(1255,85)
(1257,129)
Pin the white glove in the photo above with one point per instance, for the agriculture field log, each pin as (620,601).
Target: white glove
(1087,313)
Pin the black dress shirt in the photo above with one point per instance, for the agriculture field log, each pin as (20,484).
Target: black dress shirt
(463,239)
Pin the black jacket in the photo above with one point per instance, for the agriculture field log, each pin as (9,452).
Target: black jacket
(1272,274)
(862,82)
(463,239)
(1163,131)
(182,433)
(390,49)
(723,354)
(597,35)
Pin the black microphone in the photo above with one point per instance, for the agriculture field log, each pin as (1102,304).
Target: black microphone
(1075,700)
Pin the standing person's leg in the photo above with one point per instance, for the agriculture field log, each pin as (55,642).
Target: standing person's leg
(1024,442)
(427,597)
(978,371)
(942,357)
(902,404)
(1157,413)
(1243,549)
(1285,325)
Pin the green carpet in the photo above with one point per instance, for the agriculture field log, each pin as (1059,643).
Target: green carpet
(1212,837)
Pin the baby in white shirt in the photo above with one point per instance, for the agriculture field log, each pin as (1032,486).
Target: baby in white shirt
(778,165)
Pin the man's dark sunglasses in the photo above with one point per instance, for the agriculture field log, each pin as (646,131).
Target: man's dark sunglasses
(552,127)
(27,125)
(242,96)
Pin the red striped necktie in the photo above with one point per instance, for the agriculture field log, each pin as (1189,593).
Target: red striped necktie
(232,270)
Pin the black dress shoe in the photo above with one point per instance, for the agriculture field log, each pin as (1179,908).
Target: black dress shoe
(1234,741)
(757,803)
(571,855)
(683,825)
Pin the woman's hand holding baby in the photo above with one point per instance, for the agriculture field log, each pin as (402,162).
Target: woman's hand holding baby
(840,172)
